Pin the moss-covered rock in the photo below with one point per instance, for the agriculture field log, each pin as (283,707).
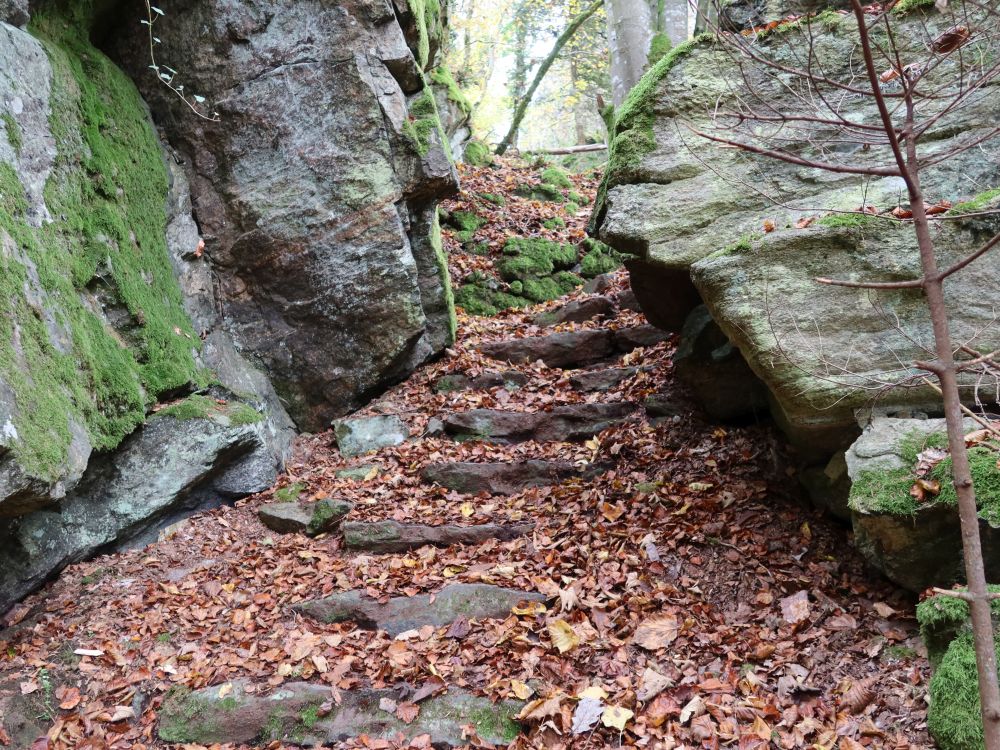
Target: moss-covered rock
(599,259)
(478,154)
(526,257)
(556,177)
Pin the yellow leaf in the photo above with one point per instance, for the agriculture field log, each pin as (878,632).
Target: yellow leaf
(225,690)
(529,607)
(616,716)
(563,636)
(594,691)
(372,473)
(466,509)
(699,486)
(761,729)
(521,690)
(611,512)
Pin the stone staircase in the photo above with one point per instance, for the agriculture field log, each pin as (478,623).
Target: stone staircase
(585,359)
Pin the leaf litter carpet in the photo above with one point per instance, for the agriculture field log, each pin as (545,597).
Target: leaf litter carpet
(694,599)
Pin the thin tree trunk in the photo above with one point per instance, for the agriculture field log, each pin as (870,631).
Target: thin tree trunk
(578,126)
(522,105)
(630,31)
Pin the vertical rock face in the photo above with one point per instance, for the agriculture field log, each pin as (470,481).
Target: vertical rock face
(316,190)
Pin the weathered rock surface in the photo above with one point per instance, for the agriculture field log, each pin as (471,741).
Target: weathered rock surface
(110,308)
(502,478)
(306,714)
(627,339)
(683,206)
(509,379)
(14,12)
(573,422)
(915,544)
(577,311)
(392,536)
(602,380)
(473,601)
(306,518)
(363,434)
(566,350)
(167,468)
(316,191)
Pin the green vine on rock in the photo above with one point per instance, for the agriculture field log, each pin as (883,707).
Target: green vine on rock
(165,74)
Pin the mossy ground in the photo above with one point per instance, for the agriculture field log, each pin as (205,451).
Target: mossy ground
(954,714)
(197,406)
(107,245)
(556,177)
(983,200)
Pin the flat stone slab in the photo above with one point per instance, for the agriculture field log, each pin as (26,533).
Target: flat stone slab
(565,350)
(500,478)
(665,405)
(306,714)
(304,517)
(577,311)
(509,379)
(474,601)
(363,434)
(393,536)
(602,380)
(570,423)
(627,339)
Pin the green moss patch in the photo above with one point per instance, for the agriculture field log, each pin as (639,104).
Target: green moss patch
(443,78)
(427,14)
(982,201)
(106,249)
(849,220)
(290,493)
(203,407)
(496,200)
(599,259)
(659,46)
(556,222)
(954,714)
(13,132)
(534,257)
(888,490)
(556,177)
(478,154)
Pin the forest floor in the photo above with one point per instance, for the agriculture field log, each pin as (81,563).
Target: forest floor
(691,592)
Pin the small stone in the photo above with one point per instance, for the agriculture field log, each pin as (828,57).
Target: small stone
(364,434)
(627,339)
(307,518)
(599,284)
(628,301)
(356,473)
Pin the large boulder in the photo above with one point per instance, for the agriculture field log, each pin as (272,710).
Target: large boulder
(697,216)
(316,189)
(109,308)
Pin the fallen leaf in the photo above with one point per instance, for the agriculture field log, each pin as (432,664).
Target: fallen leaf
(407,712)
(653,683)
(521,690)
(656,632)
(71,699)
(587,714)
(616,717)
(563,636)
(795,608)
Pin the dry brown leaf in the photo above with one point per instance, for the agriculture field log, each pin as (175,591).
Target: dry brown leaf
(657,632)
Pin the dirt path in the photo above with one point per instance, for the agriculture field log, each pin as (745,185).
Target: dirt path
(678,579)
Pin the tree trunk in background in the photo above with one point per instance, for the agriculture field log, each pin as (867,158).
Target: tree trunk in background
(578,124)
(631,25)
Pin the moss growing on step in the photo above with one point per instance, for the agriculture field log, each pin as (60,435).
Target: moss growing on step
(422,121)
(942,619)
(577,198)
(478,154)
(187,717)
(545,288)
(599,259)
(106,248)
(977,203)
(478,298)
(556,177)
(496,200)
(571,208)
(13,131)
(466,220)
(443,77)
(556,222)
(527,257)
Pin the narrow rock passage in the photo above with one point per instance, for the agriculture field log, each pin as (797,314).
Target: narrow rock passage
(662,562)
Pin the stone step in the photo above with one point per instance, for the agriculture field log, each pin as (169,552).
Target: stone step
(577,311)
(602,380)
(306,714)
(302,517)
(362,434)
(571,423)
(509,379)
(574,349)
(473,601)
(392,536)
(507,478)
